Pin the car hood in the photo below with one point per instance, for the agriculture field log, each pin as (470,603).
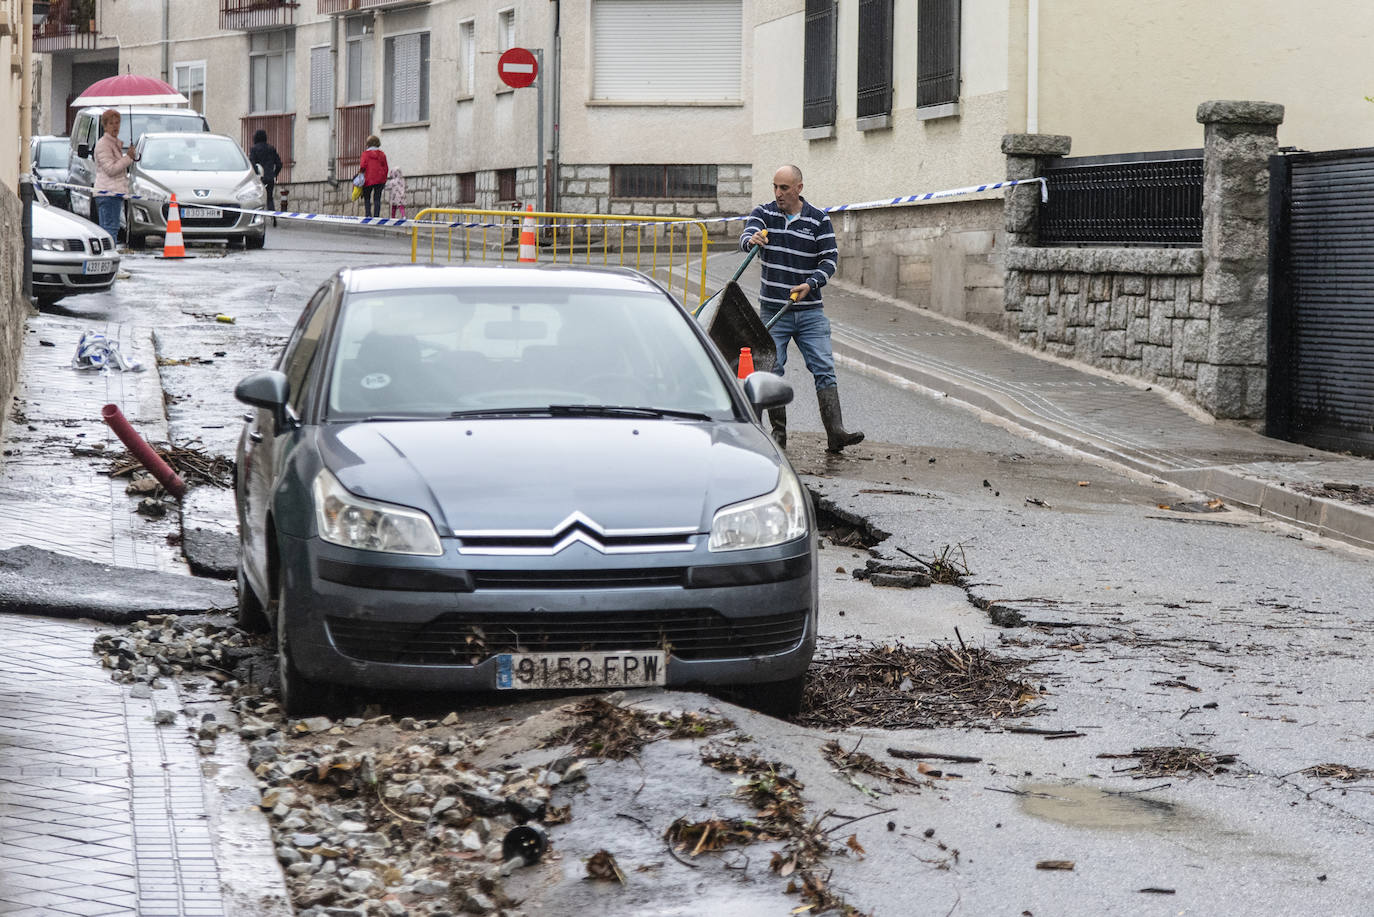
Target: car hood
(219,185)
(51,223)
(532,474)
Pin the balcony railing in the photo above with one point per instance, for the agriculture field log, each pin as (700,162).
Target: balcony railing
(248,15)
(350,6)
(281,133)
(67,27)
(354,125)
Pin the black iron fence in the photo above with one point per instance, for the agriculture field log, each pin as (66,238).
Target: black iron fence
(1147,199)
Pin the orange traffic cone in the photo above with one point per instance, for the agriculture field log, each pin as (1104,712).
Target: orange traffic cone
(746,362)
(529,253)
(173,246)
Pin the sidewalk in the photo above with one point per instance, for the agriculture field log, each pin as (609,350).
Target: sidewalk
(1122,421)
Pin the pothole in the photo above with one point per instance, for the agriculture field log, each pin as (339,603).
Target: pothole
(841,527)
(1091,807)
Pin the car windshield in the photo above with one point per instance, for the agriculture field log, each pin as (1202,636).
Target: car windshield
(193,154)
(52,154)
(438,352)
(136,124)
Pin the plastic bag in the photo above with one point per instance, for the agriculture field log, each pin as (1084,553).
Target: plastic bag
(95,351)
(358,180)
(356,193)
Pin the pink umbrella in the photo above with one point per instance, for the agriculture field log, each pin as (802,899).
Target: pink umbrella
(129,89)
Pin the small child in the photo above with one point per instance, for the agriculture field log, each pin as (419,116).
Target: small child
(396,192)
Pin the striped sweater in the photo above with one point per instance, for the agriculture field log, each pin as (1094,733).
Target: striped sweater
(802,252)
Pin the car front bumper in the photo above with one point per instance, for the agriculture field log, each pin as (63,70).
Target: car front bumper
(362,620)
(151,218)
(65,272)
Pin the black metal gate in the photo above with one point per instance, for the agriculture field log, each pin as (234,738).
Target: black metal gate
(1321,300)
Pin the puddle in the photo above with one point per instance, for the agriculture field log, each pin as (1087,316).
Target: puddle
(1091,807)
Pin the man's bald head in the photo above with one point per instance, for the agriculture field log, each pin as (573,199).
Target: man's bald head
(787,188)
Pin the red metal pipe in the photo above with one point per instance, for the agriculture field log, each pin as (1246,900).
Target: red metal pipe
(159,469)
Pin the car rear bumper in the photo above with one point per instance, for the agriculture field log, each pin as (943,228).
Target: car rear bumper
(429,624)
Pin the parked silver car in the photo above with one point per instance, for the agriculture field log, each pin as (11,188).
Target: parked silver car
(208,173)
(466,478)
(48,156)
(70,255)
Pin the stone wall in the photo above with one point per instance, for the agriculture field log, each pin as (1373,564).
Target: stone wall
(1194,320)
(14,305)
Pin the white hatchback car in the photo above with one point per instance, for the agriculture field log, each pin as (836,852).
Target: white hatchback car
(70,254)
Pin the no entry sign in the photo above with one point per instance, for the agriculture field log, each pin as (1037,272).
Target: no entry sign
(517,68)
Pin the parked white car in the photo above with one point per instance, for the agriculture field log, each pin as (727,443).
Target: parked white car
(70,254)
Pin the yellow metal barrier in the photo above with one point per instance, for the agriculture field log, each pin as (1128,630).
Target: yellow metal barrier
(641,242)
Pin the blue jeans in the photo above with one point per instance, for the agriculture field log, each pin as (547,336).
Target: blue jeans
(108,210)
(811,330)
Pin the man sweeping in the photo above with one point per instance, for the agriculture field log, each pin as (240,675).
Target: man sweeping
(799,256)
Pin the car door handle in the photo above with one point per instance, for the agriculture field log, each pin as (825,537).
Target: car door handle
(255,436)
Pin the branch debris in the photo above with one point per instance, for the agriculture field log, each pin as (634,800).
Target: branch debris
(606,730)
(1167,760)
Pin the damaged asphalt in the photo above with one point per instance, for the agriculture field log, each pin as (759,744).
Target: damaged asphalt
(1145,627)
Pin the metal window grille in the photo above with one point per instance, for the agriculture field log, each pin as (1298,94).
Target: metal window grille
(676,182)
(407,70)
(354,125)
(69,26)
(818,64)
(937,52)
(281,133)
(321,80)
(1152,199)
(348,6)
(505,184)
(467,187)
(875,58)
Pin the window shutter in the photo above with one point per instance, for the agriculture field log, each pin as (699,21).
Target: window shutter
(667,50)
(937,52)
(321,81)
(818,64)
(875,58)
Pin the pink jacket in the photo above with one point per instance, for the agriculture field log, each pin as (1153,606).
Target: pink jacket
(111,165)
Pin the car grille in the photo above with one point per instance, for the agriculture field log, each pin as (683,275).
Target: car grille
(97,245)
(463,639)
(89,280)
(225,219)
(577,579)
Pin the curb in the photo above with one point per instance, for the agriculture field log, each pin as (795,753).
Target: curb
(1327,518)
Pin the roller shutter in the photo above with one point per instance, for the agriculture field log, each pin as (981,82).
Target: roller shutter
(667,50)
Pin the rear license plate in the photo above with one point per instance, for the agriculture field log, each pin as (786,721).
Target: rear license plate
(579,670)
(201,213)
(98,267)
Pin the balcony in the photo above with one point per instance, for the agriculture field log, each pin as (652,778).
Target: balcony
(353,6)
(68,26)
(281,133)
(249,15)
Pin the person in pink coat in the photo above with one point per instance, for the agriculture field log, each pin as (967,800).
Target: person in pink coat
(112,163)
(374,167)
(396,193)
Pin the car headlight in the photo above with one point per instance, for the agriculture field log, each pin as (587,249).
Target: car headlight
(141,188)
(249,193)
(346,519)
(764,521)
(50,245)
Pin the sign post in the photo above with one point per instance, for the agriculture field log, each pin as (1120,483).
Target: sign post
(518,68)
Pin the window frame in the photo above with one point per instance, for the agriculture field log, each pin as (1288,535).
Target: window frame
(873,76)
(389,77)
(365,47)
(623,173)
(192,65)
(821,20)
(467,188)
(939,31)
(502,176)
(467,58)
(288,55)
(329,75)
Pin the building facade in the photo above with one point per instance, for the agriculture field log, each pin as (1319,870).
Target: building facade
(646,108)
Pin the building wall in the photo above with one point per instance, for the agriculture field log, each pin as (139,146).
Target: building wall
(1125,77)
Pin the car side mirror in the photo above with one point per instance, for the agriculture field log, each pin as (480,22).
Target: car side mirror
(269,390)
(767,390)
(83,151)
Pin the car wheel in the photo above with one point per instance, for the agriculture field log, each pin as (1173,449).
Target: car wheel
(255,241)
(782,699)
(300,696)
(251,615)
(138,241)
(45,300)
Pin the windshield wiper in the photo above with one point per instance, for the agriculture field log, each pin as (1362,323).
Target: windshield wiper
(622,410)
(501,412)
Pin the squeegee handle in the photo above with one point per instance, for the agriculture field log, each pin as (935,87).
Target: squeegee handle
(745,263)
(780,313)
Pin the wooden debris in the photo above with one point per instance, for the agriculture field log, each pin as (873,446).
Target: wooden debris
(1055,864)
(602,865)
(1343,772)
(916,754)
(1166,760)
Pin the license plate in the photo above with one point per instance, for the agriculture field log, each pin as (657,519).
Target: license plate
(579,670)
(98,267)
(201,213)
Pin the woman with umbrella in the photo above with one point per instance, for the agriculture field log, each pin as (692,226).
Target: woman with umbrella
(112,163)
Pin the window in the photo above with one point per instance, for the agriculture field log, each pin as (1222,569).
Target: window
(875,58)
(679,182)
(505,30)
(271,71)
(407,77)
(937,52)
(467,187)
(321,80)
(189,80)
(467,58)
(505,184)
(667,51)
(359,55)
(818,65)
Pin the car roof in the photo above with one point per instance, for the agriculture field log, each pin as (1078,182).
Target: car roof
(431,276)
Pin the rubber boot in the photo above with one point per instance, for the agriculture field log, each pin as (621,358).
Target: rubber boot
(836,438)
(777,419)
